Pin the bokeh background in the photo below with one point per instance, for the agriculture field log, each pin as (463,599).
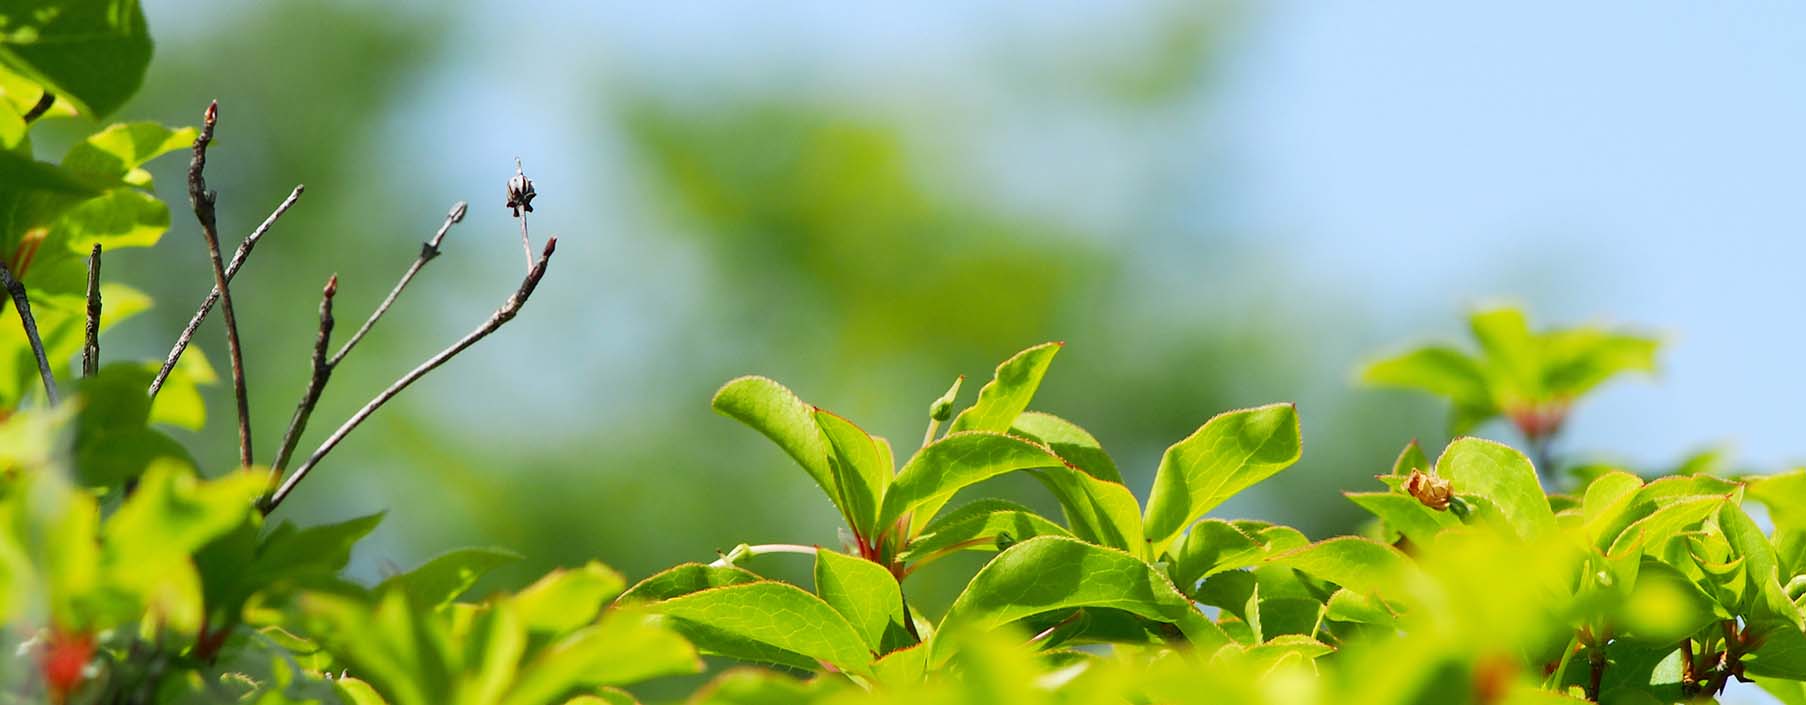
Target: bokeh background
(1215,205)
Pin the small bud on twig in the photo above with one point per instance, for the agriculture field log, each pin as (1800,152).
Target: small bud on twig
(1434,492)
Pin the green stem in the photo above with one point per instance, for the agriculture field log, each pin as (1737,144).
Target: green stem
(744,551)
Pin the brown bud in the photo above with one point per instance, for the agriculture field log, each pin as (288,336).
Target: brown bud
(1433,491)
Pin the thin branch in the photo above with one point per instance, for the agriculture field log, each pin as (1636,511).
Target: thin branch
(428,250)
(507,312)
(526,244)
(203,201)
(322,371)
(23,305)
(200,314)
(38,109)
(91,348)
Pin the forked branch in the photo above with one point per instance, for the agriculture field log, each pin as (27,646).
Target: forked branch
(502,315)
(206,307)
(323,366)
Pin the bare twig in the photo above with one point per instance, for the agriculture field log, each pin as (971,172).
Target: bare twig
(206,307)
(38,109)
(428,250)
(23,305)
(91,347)
(203,200)
(322,371)
(507,312)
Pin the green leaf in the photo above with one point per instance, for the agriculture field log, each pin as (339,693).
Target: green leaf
(944,467)
(1664,606)
(1502,476)
(1354,563)
(867,595)
(1510,351)
(399,651)
(91,53)
(1351,606)
(1780,654)
(1073,444)
(439,581)
(115,152)
(1228,454)
(861,471)
(1658,526)
(1008,393)
(750,620)
(357,692)
(1575,361)
(1100,511)
(20,173)
(564,600)
(1090,491)
(981,521)
(773,410)
(1769,606)
(1212,546)
(1405,514)
(1050,573)
(1785,496)
(1438,369)
(625,647)
(684,579)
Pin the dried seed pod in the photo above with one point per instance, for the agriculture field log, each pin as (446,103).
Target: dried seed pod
(520,191)
(1433,491)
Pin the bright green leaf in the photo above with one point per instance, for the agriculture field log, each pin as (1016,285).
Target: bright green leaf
(771,615)
(442,579)
(1008,393)
(1502,476)
(1228,454)
(867,595)
(1050,573)
(950,464)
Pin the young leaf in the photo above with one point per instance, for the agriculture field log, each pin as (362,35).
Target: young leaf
(867,595)
(1354,563)
(944,467)
(751,620)
(114,152)
(563,600)
(773,410)
(1212,546)
(1577,360)
(1100,511)
(1072,443)
(1768,604)
(1228,454)
(861,470)
(624,647)
(1502,476)
(1405,514)
(1009,391)
(439,581)
(984,521)
(684,579)
(1510,351)
(1049,573)
(1440,370)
